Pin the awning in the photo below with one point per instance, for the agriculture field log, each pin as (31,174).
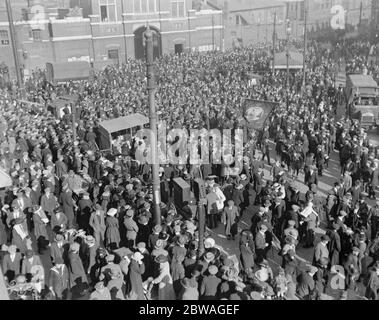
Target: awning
(123,123)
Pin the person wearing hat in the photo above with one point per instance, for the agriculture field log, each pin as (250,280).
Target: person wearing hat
(143,229)
(58,280)
(136,270)
(334,244)
(322,277)
(31,266)
(179,248)
(291,231)
(372,287)
(321,249)
(49,202)
(189,291)
(40,221)
(147,260)
(352,268)
(374,213)
(190,262)
(115,283)
(215,204)
(159,249)
(229,219)
(78,278)
(278,212)
(207,259)
(210,286)
(85,206)
(247,252)
(89,252)
(17,221)
(59,248)
(154,236)
(11,263)
(97,223)
(164,279)
(261,246)
(306,285)
(177,272)
(112,233)
(101,292)
(311,176)
(59,221)
(68,205)
(131,228)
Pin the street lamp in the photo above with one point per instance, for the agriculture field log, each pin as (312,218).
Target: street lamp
(153,122)
(288,32)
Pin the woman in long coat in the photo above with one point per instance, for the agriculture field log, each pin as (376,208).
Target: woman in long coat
(177,272)
(164,279)
(59,219)
(247,252)
(373,284)
(136,270)
(39,223)
(78,278)
(229,216)
(112,233)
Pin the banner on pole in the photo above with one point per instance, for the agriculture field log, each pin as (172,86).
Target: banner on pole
(256,112)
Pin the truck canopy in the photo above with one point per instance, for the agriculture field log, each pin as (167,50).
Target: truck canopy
(117,126)
(363,84)
(123,123)
(67,71)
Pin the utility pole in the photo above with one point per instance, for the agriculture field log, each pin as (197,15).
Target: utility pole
(288,30)
(213,32)
(153,123)
(360,13)
(305,44)
(189,32)
(273,45)
(123,30)
(12,31)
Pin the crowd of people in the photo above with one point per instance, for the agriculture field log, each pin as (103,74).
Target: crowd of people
(78,222)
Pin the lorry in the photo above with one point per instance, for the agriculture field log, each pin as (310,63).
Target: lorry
(362,93)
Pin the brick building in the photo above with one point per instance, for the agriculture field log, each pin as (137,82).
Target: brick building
(104,31)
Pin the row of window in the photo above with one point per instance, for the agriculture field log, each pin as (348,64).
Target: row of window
(108,8)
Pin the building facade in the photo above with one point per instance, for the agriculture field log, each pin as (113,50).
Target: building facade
(104,31)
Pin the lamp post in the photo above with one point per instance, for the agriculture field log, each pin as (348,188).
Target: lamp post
(16,58)
(288,31)
(305,45)
(273,45)
(153,122)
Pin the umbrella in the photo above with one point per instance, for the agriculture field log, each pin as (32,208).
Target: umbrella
(5,179)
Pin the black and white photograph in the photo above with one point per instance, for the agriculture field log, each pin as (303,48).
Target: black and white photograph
(213,151)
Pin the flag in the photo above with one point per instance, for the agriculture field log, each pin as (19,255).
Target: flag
(256,112)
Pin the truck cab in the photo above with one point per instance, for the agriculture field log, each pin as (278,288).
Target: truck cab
(363,99)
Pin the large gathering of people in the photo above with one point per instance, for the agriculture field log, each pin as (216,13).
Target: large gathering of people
(78,222)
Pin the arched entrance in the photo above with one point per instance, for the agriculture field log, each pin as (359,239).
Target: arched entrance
(139,42)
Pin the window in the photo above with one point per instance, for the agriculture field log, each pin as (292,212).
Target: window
(177,8)
(113,54)
(145,6)
(4,37)
(108,10)
(37,35)
(238,20)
